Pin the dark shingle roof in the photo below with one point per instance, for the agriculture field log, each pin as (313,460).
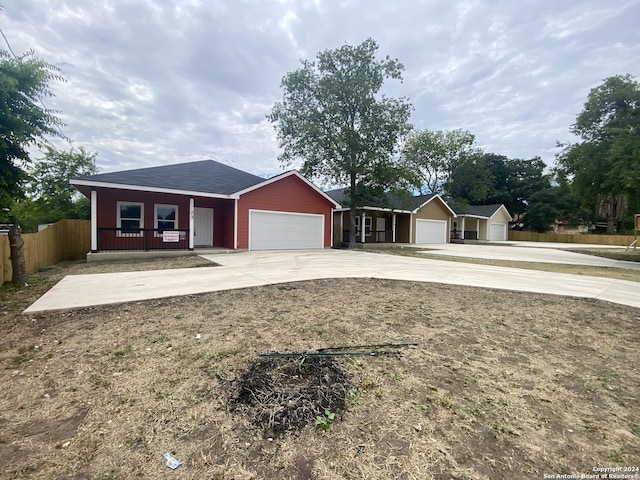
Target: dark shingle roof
(206,176)
(389,201)
(478,210)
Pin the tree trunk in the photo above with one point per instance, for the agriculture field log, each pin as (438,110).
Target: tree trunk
(352,213)
(18,263)
(352,228)
(611,216)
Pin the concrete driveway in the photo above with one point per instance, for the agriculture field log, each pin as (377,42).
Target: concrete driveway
(250,269)
(528,252)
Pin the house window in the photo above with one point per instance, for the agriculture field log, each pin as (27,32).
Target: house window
(166,218)
(367,226)
(130,219)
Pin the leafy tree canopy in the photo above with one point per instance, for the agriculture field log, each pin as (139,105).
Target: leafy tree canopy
(470,181)
(606,162)
(333,118)
(50,196)
(24,121)
(554,203)
(435,156)
(514,181)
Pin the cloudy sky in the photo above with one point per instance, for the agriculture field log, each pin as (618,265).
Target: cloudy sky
(157,82)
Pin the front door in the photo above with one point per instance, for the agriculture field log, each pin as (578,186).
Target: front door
(381,226)
(203,227)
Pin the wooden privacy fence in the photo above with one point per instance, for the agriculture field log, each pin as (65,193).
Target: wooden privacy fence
(622,240)
(64,240)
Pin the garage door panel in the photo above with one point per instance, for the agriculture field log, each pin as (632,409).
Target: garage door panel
(431,231)
(285,231)
(498,232)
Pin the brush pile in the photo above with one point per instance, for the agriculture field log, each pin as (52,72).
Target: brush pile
(286,394)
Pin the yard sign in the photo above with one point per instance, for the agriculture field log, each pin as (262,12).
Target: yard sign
(170,237)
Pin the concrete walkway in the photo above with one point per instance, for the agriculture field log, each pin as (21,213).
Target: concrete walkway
(528,252)
(250,269)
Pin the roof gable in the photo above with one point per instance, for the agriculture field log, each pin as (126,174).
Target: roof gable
(206,176)
(281,176)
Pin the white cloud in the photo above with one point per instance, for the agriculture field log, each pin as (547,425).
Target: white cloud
(153,82)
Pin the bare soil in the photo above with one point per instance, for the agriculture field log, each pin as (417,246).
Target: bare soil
(502,385)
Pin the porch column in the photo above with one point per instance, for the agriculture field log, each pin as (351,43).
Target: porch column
(462,228)
(393,228)
(362,228)
(192,213)
(477,229)
(341,237)
(235,223)
(94,220)
(411,228)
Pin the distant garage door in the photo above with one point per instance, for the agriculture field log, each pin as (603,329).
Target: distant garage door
(498,232)
(431,231)
(285,231)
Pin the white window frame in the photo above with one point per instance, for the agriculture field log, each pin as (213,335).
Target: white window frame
(120,233)
(155,217)
(368,223)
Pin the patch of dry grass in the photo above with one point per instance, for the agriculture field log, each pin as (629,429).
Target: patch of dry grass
(627,255)
(502,385)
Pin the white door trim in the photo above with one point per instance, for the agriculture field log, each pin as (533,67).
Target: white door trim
(198,228)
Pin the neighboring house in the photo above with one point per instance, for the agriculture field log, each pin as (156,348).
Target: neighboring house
(420,219)
(482,222)
(563,227)
(205,204)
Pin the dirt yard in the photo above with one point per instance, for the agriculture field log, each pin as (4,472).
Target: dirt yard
(501,385)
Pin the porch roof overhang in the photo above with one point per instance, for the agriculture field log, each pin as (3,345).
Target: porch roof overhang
(466,215)
(375,209)
(140,188)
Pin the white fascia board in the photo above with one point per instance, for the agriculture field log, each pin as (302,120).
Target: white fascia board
(377,209)
(502,207)
(453,214)
(280,177)
(480,217)
(141,188)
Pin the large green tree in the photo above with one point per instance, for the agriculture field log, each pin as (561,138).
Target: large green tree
(470,181)
(514,181)
(554,203)
(604,167)
(435,156)
(24,121)
(50,197)
(334,119)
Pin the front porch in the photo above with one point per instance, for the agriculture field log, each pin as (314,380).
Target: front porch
(114,256)
(381,227)
(468,228)
(131,221)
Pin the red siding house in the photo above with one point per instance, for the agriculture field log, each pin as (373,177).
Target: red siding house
(205,204)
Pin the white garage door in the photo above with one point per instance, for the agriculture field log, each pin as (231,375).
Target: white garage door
(498,232)
(431,231)
(285,231)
